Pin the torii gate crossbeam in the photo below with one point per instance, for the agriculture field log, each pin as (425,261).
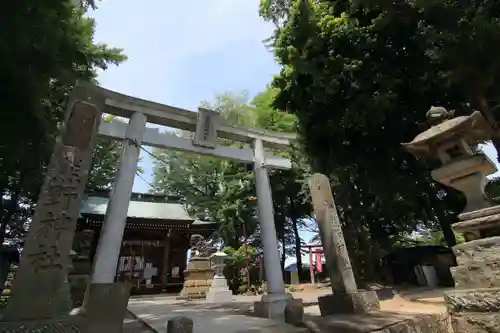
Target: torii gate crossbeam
(207,126)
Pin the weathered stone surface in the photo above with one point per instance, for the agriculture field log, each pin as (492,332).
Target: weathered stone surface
(480,250)
(277,329)
(105,307)
(337,259)
(477,275)
(45,259)
(473,300)
(180,325)
(421,324)
(476,322)
(385,322)
(362,301)
(272,306)
(78,285)
(42,326)
(197,278)
(294,311)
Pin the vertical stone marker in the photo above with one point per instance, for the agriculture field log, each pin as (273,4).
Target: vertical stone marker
(346,298)
(45,259)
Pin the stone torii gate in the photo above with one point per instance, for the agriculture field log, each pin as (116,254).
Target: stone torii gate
(45,259)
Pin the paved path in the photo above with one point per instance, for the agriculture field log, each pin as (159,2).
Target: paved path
(207,317)
(232,317)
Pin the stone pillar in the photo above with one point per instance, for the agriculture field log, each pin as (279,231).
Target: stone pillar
(346,298)
(106,302)
(273,304)
(110,241)
(45,259)
(272,262)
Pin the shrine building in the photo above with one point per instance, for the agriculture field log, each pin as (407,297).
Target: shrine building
(154,249)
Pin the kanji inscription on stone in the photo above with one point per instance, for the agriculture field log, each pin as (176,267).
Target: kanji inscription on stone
(45,258)
(206,128)
(336,254)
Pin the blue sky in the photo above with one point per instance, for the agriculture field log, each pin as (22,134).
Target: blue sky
(184,52)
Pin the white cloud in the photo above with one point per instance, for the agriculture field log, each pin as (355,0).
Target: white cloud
(166,41)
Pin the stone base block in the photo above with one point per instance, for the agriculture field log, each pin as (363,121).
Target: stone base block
(474,310)
(105,307)
(41,326)
(277,329)
(473,300)
(219,295)
(360,302)
(385,322)
(475,322)
(477,274)
(273,306)
(479,250)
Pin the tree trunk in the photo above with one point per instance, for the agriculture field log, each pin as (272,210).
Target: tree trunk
(488,115)
(298,241)
(298,248)
(448,234)
(10,210)
(283,253)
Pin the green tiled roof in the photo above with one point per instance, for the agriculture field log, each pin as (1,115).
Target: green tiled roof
(94,205)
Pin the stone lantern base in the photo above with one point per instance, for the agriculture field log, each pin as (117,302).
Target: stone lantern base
(219,291)
(474,305)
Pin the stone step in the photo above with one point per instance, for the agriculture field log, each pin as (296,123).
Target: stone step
(478,250)
(480,274)
(476,322)
(278,328)
(473,300)
(384,322)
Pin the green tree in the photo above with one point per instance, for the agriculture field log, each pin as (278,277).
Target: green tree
(44,49)
(224,191)
(212,188)
(359,86)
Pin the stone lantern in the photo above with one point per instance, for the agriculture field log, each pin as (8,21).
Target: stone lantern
(219,291)
(453,142)
(474,305)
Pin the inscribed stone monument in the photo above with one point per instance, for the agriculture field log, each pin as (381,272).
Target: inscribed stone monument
(346,297)
(45,259)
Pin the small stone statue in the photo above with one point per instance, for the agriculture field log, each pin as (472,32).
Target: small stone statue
(200,247)
(438,114)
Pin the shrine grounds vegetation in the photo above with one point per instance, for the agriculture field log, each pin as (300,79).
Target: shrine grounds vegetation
(44,48)
(356,80)
(360,76)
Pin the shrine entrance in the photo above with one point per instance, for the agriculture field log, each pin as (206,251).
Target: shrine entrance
(139,262)
(43,265)
(153,252)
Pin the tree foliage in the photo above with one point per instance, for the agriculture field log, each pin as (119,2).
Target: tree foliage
(224,191)
(360,76)
(44,49)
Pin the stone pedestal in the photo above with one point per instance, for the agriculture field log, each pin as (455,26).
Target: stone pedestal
(273,306)
(105,307)
(474,305)
(198,278)
(219,291)
(360,302)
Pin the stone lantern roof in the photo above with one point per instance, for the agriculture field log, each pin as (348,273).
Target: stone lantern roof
(468,129)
